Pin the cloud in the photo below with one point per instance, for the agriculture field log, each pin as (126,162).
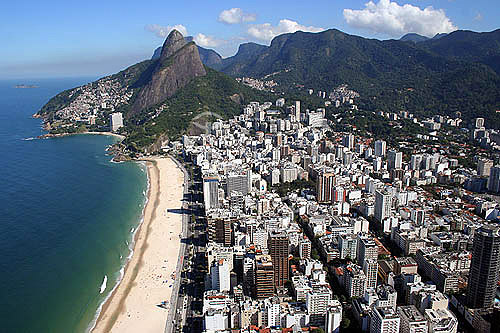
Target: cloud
(390,18)
(236,15)
(207,41)
(267,31)
(162,31)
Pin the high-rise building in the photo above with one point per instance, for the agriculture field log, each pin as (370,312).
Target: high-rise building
(339,194)
(264,276)
(370,268)
(412,321)
(367,249)
(415,162)
(220,230)
(384,320)
(297,111)
(220,275)
(383,205)
(333,317)
(441,320)
(394,160)
(348,141)
(355,281)
(484,167)
(211,192)
(249,275)
(484,268)
(324,187)
(494,180)
(239,182)
(348,246)
(278,246)
(305,249)
(317,301)
(380,148)
(289,173)
(115,121)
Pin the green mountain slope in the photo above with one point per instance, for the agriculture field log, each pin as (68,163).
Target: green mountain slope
(389,75)
(468,46)
(215,92)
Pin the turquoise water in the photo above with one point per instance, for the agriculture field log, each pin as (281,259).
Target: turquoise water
(66,217)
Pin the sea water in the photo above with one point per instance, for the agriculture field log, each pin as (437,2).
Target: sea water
(67,216)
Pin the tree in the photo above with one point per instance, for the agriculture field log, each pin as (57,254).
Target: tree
(318,330)
(346,322)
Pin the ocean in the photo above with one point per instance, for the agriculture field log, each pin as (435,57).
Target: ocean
(67,216)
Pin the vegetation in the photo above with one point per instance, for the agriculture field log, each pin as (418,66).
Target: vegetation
(300,184)
(390,75)
(215,93)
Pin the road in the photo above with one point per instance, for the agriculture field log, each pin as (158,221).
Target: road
(172,317)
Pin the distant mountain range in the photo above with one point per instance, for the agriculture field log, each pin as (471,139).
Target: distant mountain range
(447,73)
(459,71)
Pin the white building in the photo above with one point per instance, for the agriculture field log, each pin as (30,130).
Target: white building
(115,121)
(211,192)
(220,275)
(383,205)
(412,321)
(394,160)
(441,321)
(317,300)
(333,317)
(380,148)
(384,320)
(216,320)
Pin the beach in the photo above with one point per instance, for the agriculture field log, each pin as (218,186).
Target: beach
(148,278)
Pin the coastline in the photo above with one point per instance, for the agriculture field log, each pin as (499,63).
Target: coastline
(147,280)
(46,136)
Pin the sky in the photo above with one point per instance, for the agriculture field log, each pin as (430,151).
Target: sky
(94,38)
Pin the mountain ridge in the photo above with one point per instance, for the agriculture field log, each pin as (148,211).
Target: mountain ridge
(389,74)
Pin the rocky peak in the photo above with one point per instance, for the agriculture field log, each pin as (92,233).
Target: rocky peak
(179,63)
(174,42)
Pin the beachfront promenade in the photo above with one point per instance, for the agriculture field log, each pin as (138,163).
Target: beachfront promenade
(176,301)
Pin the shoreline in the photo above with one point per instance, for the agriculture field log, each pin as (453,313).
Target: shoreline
(100,308)
(132,305)
(47,136)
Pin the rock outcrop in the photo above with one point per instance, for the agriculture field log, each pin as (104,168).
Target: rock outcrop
(208,57)
(178,64)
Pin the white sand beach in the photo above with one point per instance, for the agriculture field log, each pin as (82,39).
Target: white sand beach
(148,276)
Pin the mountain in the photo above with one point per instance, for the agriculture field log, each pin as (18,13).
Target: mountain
(412,37)
(158,98)
(209,96)
(390,75)
(438,36)
(178,64)
(481,47)
(208,57)
(246,53)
